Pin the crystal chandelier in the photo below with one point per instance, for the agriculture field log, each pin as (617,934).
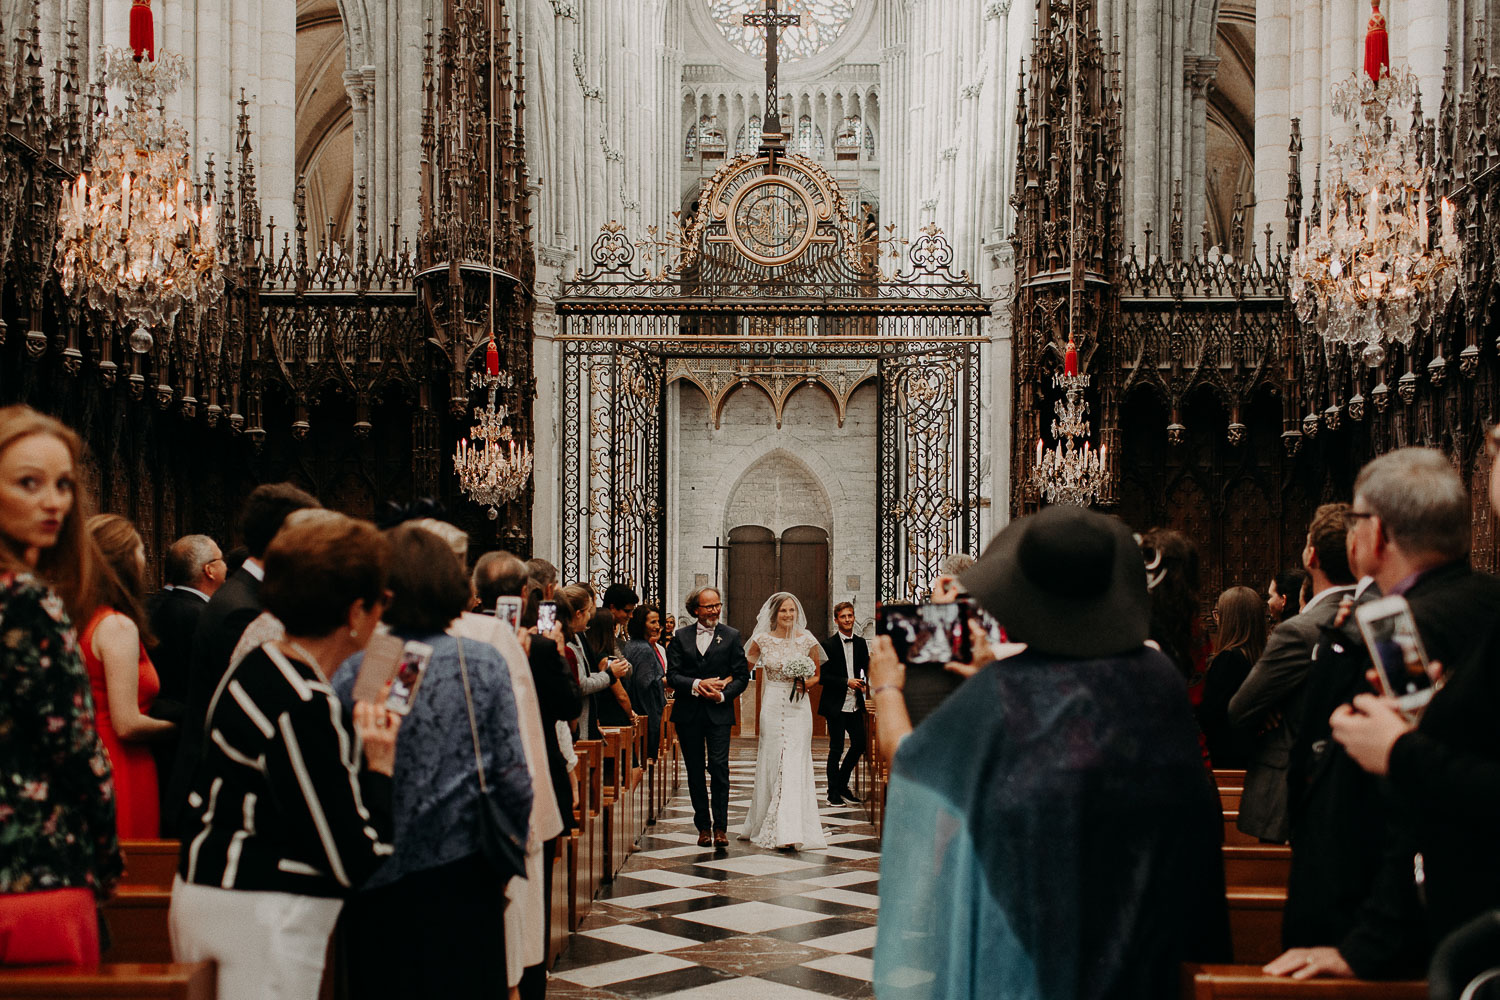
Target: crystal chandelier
(1368,272)
(134,233)
(1070,471)
(492,470)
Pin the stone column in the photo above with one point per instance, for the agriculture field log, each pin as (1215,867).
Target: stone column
(1200,72)
(1272,122)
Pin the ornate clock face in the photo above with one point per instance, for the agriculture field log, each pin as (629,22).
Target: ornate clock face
(771,221)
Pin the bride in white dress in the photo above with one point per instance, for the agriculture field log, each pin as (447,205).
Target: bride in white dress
(784,808)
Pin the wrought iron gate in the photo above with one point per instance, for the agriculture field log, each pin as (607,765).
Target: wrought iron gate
(772,281)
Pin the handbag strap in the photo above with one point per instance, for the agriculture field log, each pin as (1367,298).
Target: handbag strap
(463,669)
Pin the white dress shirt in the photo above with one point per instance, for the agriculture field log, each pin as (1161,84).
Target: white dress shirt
(850,703)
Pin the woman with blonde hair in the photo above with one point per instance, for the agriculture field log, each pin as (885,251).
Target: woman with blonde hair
(61,852)
(115,640)
(1241,617)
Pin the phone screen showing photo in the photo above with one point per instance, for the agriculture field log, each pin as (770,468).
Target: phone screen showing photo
(546,617)
(508,609)
(414,659)
(926,633)
(1396,650)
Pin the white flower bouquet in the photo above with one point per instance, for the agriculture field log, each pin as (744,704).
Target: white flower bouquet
(800,669)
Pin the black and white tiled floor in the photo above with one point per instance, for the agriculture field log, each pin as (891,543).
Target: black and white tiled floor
(687,922)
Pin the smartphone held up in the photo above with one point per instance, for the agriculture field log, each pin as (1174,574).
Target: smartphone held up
(1396,650)
(928,637)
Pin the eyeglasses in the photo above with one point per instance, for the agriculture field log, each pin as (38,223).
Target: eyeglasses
(709,607)
(1353,517)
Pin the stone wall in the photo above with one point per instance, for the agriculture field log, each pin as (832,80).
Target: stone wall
(746,471)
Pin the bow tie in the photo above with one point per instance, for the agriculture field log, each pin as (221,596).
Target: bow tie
(706,630)
(847,638)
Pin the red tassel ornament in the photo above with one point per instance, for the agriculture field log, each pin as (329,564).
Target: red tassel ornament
(142,31)
(492,359)
(1377,44)
(1070,359)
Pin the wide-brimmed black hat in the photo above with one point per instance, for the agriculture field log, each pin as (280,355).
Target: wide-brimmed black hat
(1065,581)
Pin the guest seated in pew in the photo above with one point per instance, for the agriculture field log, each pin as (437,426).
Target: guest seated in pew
(61,854)
(438,894)
(282,820)
(1050,831)
(1410,530)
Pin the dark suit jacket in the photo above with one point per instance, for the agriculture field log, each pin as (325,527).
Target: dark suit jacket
(233,607)
(648,696)
(559,701)
(1276,684)
(834,675)
(174,616)
(1453,607)
(725,658)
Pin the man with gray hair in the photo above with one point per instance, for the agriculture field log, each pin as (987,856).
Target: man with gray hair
(195,570)
(1409,530)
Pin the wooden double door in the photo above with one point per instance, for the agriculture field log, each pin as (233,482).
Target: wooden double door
(761,564)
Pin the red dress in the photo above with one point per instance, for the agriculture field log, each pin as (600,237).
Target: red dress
(136,802)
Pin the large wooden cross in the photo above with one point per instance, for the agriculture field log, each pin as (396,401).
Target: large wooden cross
(773,20)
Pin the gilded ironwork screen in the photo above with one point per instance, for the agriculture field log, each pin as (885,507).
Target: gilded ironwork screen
(773,281)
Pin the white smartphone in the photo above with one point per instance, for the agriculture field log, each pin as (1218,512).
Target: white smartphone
(508,609)
(1396,650)
(414,659)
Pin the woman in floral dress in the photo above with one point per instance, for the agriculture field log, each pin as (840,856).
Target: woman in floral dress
(57,809)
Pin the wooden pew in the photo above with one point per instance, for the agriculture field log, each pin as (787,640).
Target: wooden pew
(1240,982)
(587,857)
(115,981)
(1257,865)
(1255,914)
(1231,789)
(1232,832)
(137,915)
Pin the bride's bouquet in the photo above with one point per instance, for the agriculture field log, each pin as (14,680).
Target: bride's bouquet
(800,669)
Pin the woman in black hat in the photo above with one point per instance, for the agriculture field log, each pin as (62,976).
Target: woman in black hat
(1066,844)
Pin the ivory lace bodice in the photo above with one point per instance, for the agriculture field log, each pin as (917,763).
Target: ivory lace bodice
(776,652)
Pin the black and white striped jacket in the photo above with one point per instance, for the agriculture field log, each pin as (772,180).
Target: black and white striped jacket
(279,800)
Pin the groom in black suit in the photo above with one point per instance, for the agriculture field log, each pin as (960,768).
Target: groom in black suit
(844,677)
(706,667)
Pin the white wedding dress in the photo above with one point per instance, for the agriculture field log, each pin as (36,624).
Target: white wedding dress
(784,808)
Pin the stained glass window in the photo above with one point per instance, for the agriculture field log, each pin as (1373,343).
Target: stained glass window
(748,141)
(822,22)
(809,139)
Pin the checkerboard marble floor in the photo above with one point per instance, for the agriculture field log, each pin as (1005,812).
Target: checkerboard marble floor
(747,924)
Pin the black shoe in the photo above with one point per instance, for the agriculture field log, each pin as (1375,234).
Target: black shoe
(834,799)
(849,796)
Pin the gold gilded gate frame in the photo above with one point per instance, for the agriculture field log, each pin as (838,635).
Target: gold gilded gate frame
(778,296)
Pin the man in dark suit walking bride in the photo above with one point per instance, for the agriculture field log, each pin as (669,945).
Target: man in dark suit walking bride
(706,668)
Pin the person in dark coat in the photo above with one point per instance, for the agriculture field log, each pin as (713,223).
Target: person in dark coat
(195,570)
(1267,708)
(1410,531)
(844,679)
(1051,832)
(646,684)
(233,607)
(1241,618)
